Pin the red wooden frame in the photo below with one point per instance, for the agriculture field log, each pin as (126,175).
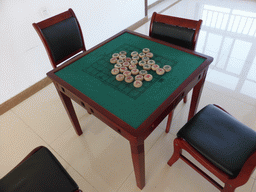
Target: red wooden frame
(137,136)
(181,22)
(230,183)
(177,21)
(29,155)
(52,21)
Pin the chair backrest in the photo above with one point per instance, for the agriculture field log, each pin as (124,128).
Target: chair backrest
(40,171)
(61,36)
(175,30)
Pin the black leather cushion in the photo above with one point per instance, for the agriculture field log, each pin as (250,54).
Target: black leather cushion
(40,173)
(173,34)
(63,38)
(218,136)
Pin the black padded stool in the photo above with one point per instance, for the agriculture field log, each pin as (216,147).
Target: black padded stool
(222,144)
(40,171)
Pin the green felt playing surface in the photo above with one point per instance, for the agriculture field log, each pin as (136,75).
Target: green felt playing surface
(104,73)
(92,76)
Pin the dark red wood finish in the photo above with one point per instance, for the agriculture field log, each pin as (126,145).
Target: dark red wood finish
(52,21)
(177,21)
(135,136)
(230,183)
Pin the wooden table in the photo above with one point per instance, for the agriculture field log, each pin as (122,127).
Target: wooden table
(132,112)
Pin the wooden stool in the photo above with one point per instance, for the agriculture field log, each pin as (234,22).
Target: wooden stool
(222,144)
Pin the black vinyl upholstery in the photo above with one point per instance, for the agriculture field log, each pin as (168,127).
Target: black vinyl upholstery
(173,34)
(41,172)
(220,138)
(63,38)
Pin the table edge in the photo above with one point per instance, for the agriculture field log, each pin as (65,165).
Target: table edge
(143,127)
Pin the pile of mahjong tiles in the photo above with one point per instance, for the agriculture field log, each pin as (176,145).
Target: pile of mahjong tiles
(125,67)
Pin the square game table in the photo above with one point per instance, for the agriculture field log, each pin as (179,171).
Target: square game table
(132,112)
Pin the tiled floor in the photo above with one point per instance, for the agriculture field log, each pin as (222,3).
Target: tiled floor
(100,160)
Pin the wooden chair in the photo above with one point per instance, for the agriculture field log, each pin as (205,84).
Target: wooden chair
(222,144)
(38,171)
(61,36)
(179,31)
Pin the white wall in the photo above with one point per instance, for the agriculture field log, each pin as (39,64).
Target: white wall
(23,59)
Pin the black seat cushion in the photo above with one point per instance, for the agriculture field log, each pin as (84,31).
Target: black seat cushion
(173,34)
(220,138)
(63,38)
(41,172)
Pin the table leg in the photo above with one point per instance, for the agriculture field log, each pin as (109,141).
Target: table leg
(138,158)
(169,121)
(197,91)
(71,112)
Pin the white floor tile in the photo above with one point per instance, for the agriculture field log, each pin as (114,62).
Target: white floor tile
(240,110)
(81,182)
(45,114)
(162,6)
(254,187)
(17,140)
(100,154)
(100,159)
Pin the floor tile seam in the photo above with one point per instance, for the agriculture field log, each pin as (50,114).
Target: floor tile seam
(124,181)
(243,60)
(220,56)
(71,166)
(254,184)
(230,96)
(155,142)
(169,6)
(30,128)
(153,9)
(71,127)
(231,73)
(183,107)
(145,162)
(172,134)
(61,135)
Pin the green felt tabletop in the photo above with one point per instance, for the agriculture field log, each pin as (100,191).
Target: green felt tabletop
(92,76)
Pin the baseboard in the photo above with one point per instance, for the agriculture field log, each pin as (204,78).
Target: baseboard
(17,99)
(155,3)
(138,24)
(9,104)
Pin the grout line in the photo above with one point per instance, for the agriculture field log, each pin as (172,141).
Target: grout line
(71,167)
(254,184)
(165,9)
(30,128)
(124,181)
(170,6)
(155,141)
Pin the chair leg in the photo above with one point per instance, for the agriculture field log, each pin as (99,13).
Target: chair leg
(176,153)
(169,122)
(185,99)
(228,188)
